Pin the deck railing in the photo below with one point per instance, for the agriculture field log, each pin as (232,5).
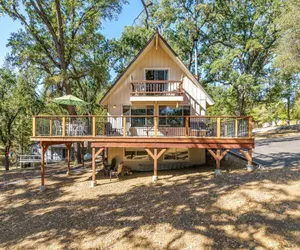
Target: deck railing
(143,126)
(156,88)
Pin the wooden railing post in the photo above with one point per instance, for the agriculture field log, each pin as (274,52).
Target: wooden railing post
(50,126)
(94,126)
(218,127)
(186,126)
(236,127)
(180,88)
(124,126)
(155,125)
(64,126)
(250,127)
(33,126)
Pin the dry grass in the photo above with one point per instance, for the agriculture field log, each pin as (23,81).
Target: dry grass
(187,209)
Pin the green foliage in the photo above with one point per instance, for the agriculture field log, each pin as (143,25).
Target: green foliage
(288,49)
(19,102)
(123,50)
(236,40)
(62,39)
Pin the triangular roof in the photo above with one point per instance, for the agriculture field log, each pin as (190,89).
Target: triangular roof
(172,54)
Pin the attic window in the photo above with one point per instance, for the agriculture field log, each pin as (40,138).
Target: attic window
(156,74)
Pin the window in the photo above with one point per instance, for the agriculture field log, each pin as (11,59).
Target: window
(139,111)
(176,154)
(156,74)
(171,112)
(135,154)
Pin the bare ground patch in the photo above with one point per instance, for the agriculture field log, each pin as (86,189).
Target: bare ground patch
(185,209)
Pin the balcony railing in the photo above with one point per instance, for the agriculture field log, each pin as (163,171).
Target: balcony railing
(142,126)
(156,88)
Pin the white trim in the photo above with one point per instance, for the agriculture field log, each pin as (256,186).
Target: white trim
(156,98)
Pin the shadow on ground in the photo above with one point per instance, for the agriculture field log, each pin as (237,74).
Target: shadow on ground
(185,209)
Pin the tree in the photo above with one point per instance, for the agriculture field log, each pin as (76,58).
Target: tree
(236,40)
(123,50)
(288,49)
(57,35)
(18,98)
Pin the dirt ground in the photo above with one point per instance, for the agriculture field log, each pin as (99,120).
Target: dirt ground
(186,209)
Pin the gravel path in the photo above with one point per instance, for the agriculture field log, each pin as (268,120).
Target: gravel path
(278,152)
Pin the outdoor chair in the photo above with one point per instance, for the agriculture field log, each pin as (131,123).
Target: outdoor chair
(116,172)
(108,168)
(109,130)
(58,128)
(128,126)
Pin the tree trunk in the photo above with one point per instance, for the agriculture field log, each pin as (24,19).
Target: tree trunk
(78,153)
(288,109)
(240,103)
(6,159)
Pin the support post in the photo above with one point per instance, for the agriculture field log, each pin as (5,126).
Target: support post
(82,153)
(94,125)
(155,125)
(218,162)
(248,157)
(124,126)
(186,126)
(64,126)
(154,178)
(93,182)
(50,127)
(236,127)
(44,149)
(68,146)
(219,127)
(218,157)
(155,156)
(33,126)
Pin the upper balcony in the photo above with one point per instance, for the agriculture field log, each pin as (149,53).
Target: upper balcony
(152,90)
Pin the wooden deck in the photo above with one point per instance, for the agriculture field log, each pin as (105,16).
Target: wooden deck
(216,134)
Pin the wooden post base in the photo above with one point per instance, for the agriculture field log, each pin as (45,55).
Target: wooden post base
(93,183)
(218,172)
(154,178)
(250,168)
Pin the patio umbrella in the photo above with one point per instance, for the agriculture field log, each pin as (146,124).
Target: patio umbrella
(70,100)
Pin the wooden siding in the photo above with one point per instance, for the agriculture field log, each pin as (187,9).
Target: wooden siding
(157,58)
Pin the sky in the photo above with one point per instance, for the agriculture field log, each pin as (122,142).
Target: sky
(111,29)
